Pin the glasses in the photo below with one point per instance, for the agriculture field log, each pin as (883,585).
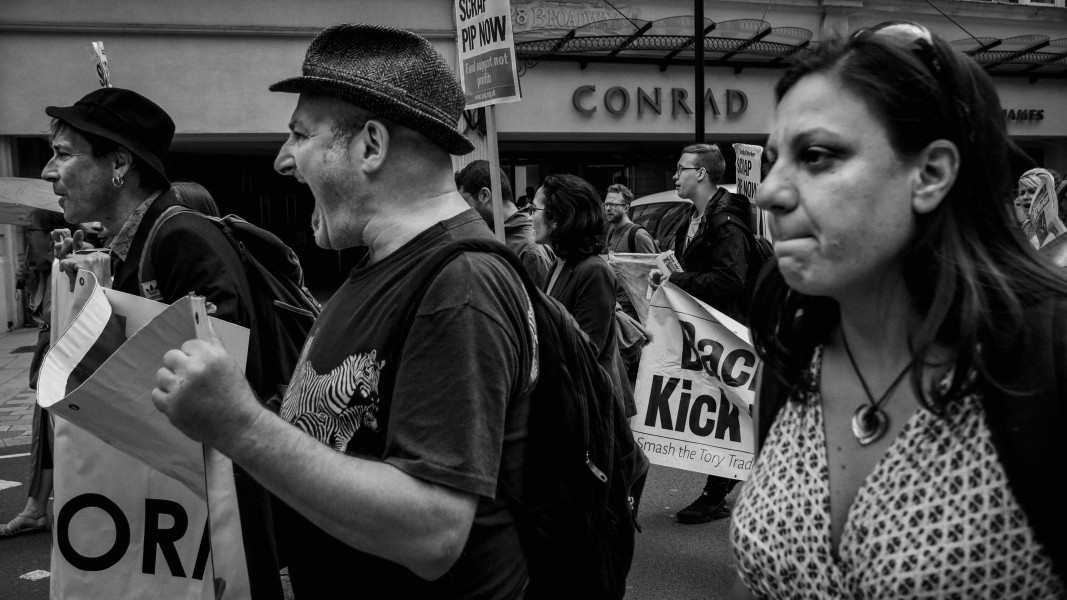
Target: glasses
(534,209)
(615,204)
(681,168)
(908,36)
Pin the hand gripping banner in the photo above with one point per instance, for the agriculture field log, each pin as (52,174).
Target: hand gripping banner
(695,388)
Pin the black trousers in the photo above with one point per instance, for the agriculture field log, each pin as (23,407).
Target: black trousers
(719,487)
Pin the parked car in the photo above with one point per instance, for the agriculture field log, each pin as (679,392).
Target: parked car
(662,213)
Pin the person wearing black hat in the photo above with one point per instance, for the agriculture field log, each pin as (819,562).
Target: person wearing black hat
(107,165)
(391,452)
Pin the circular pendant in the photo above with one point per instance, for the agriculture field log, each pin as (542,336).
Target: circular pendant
(869,424)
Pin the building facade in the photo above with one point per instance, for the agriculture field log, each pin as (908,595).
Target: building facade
(610,114)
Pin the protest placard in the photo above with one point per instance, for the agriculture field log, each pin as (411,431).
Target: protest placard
(695,388)
(749,173)
(486,52)
(747,169)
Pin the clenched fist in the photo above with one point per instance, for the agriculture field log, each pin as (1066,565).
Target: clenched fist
(203,393)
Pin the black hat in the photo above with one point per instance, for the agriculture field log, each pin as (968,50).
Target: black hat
(126,118)
(394,74)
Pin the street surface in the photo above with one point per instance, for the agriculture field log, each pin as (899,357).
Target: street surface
(22,558)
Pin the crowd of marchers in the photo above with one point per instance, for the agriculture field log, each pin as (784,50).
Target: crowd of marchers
(912,328)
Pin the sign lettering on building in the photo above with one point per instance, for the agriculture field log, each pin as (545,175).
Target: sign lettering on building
(1023,114)
(530,16)
(617,100)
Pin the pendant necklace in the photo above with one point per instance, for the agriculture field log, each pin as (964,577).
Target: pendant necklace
(870,422)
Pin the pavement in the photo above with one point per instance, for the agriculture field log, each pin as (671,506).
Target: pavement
(24,560)
(16,397)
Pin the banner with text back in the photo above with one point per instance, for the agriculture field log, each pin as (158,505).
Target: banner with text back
(695,388)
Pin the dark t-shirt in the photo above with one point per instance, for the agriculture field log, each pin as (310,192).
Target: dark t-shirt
(456,417)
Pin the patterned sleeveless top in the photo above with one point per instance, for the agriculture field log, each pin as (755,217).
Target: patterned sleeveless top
(934,519)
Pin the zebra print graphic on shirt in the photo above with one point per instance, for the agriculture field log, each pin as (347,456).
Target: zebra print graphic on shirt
(333,406)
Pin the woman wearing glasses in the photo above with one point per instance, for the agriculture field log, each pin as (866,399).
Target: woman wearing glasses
(909,411)
(567,215)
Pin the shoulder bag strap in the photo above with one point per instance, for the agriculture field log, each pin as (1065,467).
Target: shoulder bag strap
(146,275)
(555,276)
(420,281)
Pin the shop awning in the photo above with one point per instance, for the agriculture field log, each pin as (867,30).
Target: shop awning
(740,43)
(751,43)
(1032,56)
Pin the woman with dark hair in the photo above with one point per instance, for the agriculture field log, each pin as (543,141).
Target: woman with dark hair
(38,276)
(568,215)
(196,197)
(908,411)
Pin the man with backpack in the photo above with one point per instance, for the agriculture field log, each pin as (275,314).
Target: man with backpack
(107,166)
(623,234)
(392,449)
(716,250)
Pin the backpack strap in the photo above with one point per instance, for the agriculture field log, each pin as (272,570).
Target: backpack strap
(428,270)
(632,237)
(723,218)
(753,256)
(423,277)
(146,276)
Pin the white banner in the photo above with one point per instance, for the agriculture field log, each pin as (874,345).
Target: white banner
(486,52)
(695,388)
(124,529)
(631,270)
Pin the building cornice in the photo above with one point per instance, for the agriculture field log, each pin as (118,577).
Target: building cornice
(170,29)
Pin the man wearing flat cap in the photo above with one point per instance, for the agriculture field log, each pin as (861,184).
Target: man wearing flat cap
(107,166)
(391,452)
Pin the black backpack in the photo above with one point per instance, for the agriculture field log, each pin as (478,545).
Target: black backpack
(761,252)
(582,472)
(284,308)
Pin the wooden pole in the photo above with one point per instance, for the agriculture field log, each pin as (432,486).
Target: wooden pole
(698,68)
(494,171)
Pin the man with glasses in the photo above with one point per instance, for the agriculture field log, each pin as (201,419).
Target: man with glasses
(712,248)
(623,234)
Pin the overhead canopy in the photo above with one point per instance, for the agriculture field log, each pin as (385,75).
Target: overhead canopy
(1032,56)
(752,43)
(20,195)
(738,43)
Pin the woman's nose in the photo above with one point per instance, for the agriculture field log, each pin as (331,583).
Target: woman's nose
(775,192)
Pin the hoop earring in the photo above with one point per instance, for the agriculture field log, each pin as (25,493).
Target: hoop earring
(117,181)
